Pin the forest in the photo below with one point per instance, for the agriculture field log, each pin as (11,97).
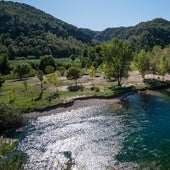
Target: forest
(35,33)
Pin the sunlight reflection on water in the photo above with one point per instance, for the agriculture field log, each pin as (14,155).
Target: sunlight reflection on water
(90,137)
(130,135)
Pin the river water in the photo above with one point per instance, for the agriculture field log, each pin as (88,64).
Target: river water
(131,134)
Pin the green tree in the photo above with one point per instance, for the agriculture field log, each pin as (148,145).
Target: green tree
(54,79)
(116,58)
(10,117)
(155,55)
(73,73)
(22,69)
(46,61)
(49,70)
(12,96)
(40,77)
(73,57)
(2,81)
(142,62)
(9,157)
(4,64)
(92,72)
(25,83)
(163,66)
(61,70)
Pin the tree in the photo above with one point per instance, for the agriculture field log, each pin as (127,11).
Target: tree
(73,57)
(10,117)
(73,74)
(54,79)
(155,55)
(163,66)
(9,157)
(2,81)
(4,65)
(92,72)
(47,61)
(22,70)
(40,77)
(49,70)
(116,58)
(142,62)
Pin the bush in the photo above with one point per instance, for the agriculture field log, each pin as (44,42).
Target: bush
(9,158)
(45,61)
(49,69)
(73,74)
(22,70)
(96,89)
(10,118)
(61,70)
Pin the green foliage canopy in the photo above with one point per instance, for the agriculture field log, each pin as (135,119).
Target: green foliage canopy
(117,57)
(10,118)
(4,64)
(163,66)
(45,62)
(22,69)
(74,73)
(142,62)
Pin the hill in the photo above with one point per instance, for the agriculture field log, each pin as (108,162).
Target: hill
(27,31)
(144,35)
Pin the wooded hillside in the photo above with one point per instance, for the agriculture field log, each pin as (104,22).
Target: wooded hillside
(26,31)
(144,35)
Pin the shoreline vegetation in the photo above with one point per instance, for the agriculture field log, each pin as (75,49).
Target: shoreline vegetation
(67,99)
(78,102)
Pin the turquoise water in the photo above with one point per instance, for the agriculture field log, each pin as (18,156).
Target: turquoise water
(131,134)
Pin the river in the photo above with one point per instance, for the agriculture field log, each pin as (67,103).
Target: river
(131,134)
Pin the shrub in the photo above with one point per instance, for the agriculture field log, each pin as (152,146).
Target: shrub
(61,70)
(22,69)
(96,89)
(49,69)
(45,61)
(9,158)
(10,118)
(73,73)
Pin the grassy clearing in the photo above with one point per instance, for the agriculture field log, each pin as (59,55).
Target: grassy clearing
(15,93)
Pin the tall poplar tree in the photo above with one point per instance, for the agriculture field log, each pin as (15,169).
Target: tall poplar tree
(162,66)
(142,62)
(116,59)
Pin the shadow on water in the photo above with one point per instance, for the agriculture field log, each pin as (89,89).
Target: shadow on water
(70,161)
(149,144)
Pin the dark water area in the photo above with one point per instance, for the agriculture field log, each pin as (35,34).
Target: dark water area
(131,134)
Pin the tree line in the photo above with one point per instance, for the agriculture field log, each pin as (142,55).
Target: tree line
(115,57)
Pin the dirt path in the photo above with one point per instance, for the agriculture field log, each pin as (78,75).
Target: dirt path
(134,78)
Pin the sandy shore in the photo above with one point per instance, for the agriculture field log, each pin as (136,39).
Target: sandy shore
(72,106)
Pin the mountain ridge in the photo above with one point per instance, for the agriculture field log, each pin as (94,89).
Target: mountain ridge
(27,31)
(25,27)
(143,35)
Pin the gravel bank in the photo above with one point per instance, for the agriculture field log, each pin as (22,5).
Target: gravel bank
(76,104)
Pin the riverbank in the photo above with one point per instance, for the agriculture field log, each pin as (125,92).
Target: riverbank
(85,101)
(73,105)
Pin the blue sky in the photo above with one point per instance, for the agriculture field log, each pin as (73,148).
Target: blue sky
(101,14)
